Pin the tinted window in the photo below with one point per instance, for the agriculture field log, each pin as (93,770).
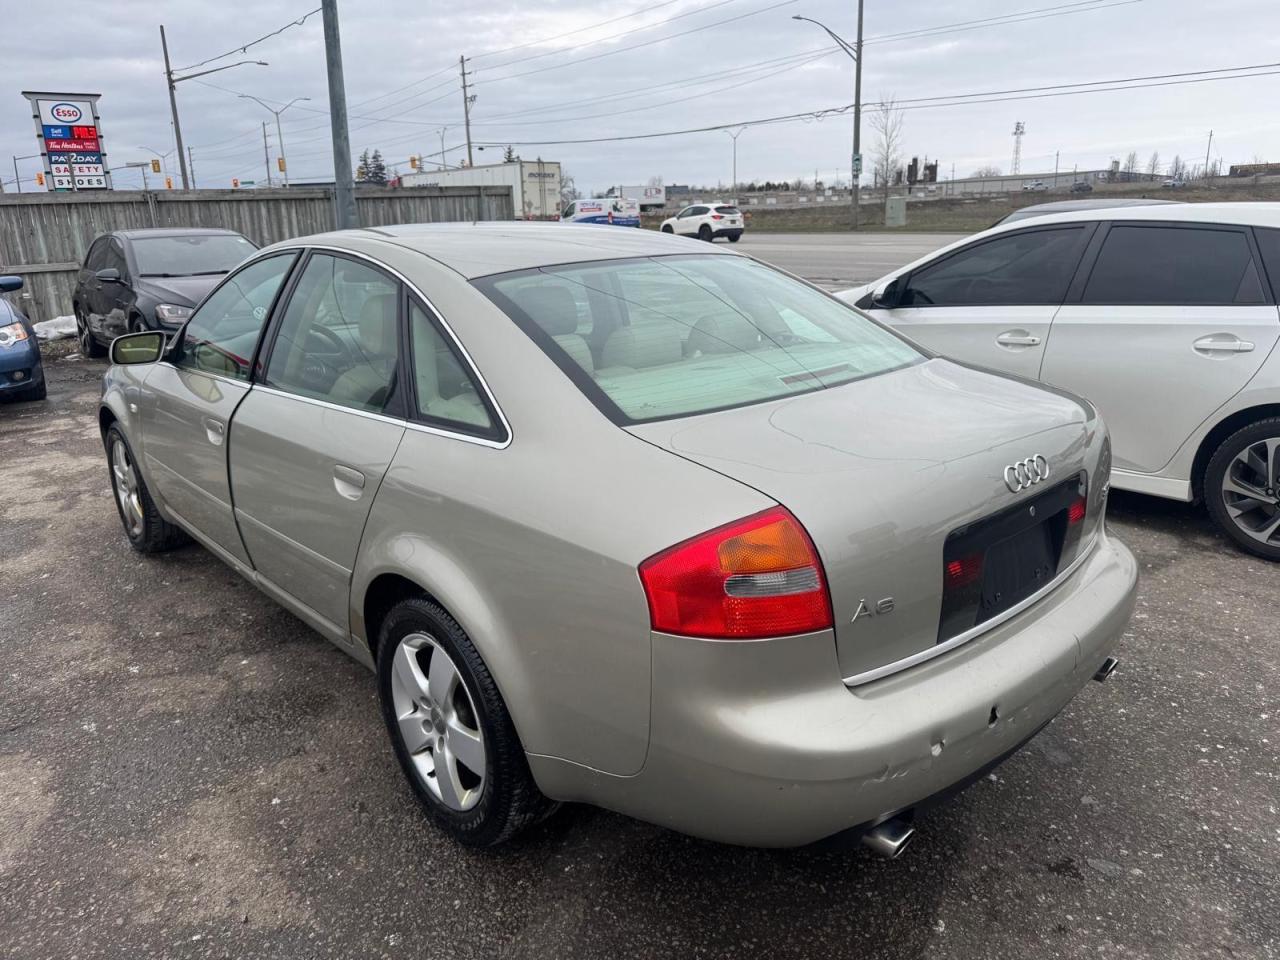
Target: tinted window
(113,256)
(1033,266)
(338,337)
(97,252)
(672,336)
(190,255)
(446,393)
(728,211)
(1269,245)
(220,337)
(1141,264)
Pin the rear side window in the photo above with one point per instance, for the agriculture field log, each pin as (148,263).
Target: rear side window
(445,392)
(654,338)
(1174,265)
(1031,267)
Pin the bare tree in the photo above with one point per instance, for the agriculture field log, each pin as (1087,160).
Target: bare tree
(568,189)
(1131,164)
(990,170)
(1178,168)
(1153,165)
(887,121)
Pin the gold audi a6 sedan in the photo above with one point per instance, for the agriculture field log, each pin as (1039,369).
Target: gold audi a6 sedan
(626,519)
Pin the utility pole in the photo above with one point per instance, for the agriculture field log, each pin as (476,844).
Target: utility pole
(16,179)
(284,163)
(266,153)
(344,197)
(467,100)
(173,107)
(1206,157)
(1055,168)
(442,130)
(191,165)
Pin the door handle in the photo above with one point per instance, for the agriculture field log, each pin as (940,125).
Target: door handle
(1017,340)
(214,430)
(1220,344)
(348,481)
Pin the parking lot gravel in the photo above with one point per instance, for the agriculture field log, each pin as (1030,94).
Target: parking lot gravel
(188,771)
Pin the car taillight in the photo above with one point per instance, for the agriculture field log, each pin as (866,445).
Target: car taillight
(753,578)
(1076,512)
(716,216)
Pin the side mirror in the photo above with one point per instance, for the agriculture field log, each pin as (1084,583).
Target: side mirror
(9,284)
(108,275)
(885,296)
(146,347)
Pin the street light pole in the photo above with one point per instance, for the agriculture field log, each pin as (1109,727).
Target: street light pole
(735,136)
(854,52)
(172,82)
(284,161)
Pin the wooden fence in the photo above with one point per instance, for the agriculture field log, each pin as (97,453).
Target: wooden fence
(44,236)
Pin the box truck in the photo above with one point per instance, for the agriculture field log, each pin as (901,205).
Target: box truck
(535,184)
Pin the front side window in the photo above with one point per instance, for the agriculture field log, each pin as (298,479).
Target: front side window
(660,337)
(1174,265)
(113,257)
(1032,267)
(445,392)
(193,255)
(338,337)
(97,253)
(221,335)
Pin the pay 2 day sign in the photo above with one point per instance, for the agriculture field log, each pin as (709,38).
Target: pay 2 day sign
(69,132)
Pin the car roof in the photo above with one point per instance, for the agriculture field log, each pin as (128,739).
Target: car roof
(1256,213)
(484,248)
(1066,206)
(173,232)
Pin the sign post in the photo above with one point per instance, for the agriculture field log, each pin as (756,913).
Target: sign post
(69,133)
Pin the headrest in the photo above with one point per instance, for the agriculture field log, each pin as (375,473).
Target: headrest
(712,335)
(378,324)
(551,307)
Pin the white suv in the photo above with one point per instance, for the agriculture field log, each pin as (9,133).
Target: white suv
(1163,316)
(706,221)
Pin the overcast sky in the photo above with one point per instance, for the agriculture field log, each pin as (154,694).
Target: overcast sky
(735,71)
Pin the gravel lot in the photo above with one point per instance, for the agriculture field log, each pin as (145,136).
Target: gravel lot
(188,771)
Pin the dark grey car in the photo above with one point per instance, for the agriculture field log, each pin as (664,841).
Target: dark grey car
(135,280)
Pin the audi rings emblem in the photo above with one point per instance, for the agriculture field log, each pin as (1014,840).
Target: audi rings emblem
(1026,473)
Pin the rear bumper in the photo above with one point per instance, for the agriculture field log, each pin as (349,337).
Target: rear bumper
(760,744)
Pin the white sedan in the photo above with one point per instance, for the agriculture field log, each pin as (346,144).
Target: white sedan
(706,221)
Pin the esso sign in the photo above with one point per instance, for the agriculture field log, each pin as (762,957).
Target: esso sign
(66,112)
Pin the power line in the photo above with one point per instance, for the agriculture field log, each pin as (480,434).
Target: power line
(1020,16)
(624,33)
(637,46)
(570,33)
(958,100)
(243,48)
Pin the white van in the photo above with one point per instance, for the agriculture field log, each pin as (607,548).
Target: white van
(615,210)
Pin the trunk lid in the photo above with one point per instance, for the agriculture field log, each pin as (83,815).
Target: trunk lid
(880,471)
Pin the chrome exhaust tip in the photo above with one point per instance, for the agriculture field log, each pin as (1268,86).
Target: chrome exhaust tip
(1108,667)
(889,839)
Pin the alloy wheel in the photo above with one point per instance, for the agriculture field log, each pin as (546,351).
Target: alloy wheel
(1251,490)
(86,338)
(438,722)
(126,484)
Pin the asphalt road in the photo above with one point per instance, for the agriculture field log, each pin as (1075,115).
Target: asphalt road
(188,771)
(838,260)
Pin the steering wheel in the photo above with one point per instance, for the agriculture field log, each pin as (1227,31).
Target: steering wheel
(318,368)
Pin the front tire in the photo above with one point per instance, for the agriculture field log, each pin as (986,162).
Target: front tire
(147,530)
(138,325)
(450,729)
(88,345)
(1242,488)
(666,228)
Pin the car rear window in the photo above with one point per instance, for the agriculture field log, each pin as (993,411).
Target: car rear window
(728,211)
(661,337)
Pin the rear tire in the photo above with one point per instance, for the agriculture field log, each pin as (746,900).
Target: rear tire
(1247,463)
(147,530)
(735,237)
(704,233)
(449,716)
(88,345)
